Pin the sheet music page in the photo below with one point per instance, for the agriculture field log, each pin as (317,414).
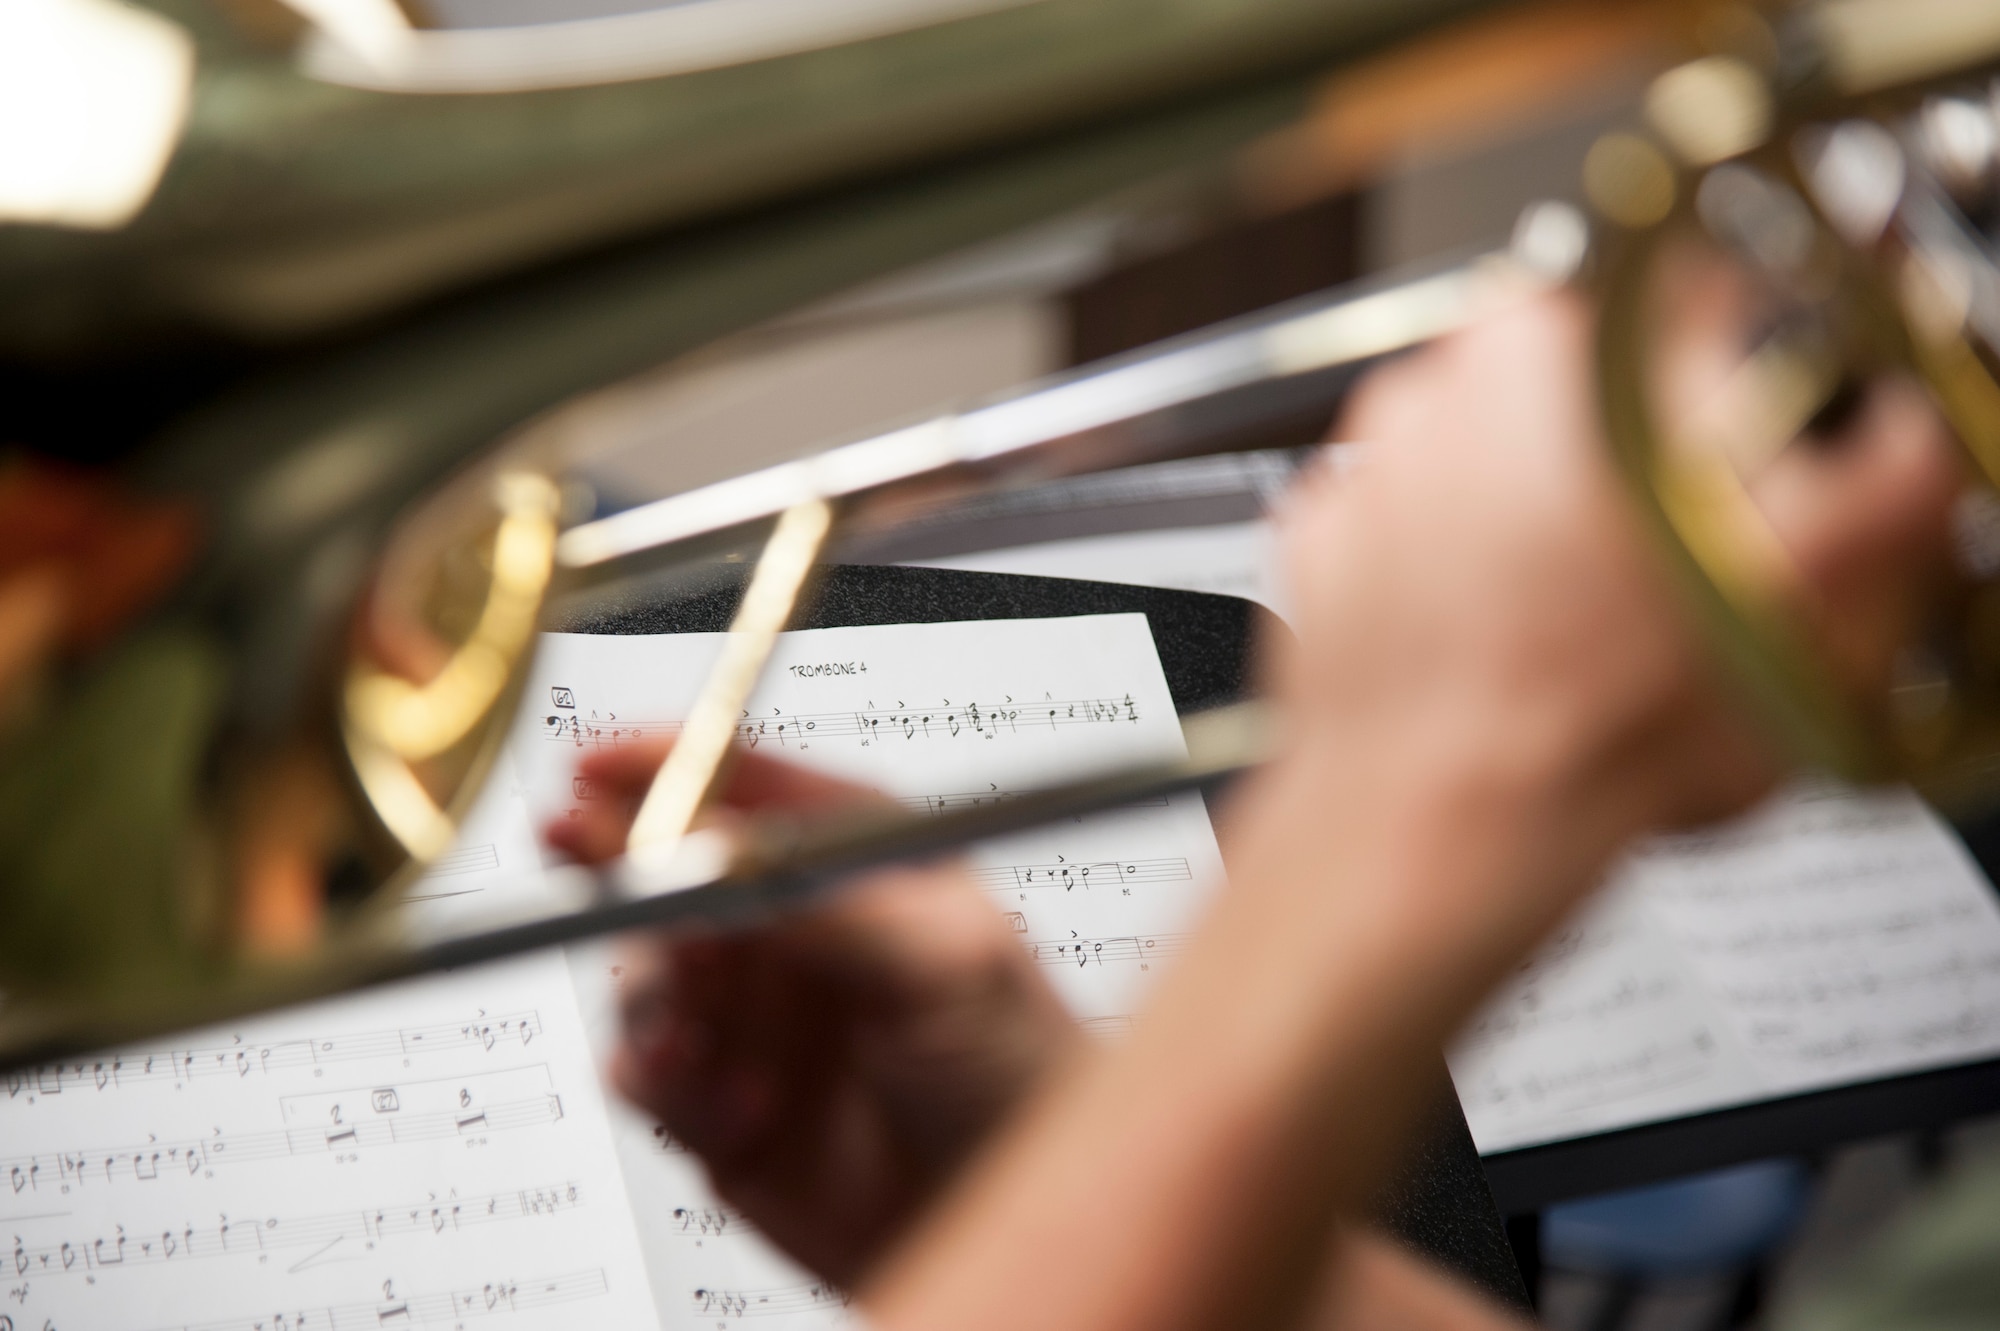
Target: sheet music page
(435,1153)
(936,716)
(1605,1027)
(496,861)
(440,1152)
(1832,936)
(939,716)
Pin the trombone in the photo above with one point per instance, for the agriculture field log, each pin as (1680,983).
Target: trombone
(1836,171)
(1169,400)
(1833,162)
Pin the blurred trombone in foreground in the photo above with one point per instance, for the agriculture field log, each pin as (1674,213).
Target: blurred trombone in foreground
(1814,186)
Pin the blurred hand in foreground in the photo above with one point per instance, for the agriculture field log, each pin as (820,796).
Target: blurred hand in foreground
(833,1069)
(1495,684)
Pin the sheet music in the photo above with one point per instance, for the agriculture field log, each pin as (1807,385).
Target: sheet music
(708,1264)
(1833,936)
(426,1154)
(440,1152)
(934,716)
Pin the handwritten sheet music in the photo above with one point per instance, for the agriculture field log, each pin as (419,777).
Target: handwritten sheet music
(1831,937)
(440,1153)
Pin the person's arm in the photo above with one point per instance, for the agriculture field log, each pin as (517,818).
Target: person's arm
(1495,687)
(1492,687)
(1188,1178)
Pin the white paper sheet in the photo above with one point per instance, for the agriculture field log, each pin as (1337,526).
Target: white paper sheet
(932,715)
(937,715)
(1831,937)
(428,1154)
(440,1153)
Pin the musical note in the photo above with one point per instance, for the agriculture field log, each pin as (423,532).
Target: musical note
(1081,952)
(137,1067)
(224,1237)
(195,1158)
(709,1221)
(506,1295)
(1069,877)
(870,724)
(977,799)
(768,1302)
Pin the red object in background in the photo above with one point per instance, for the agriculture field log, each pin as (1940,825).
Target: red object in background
(114,554)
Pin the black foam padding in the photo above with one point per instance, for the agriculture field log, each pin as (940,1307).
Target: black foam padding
(1439,1203)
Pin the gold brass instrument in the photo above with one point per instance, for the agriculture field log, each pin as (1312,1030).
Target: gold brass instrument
(1832,163)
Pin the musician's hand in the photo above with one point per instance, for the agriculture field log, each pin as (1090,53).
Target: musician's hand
(1486,631)
(1483,563)
(1515,609)
(834,1069)
(1495,683)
